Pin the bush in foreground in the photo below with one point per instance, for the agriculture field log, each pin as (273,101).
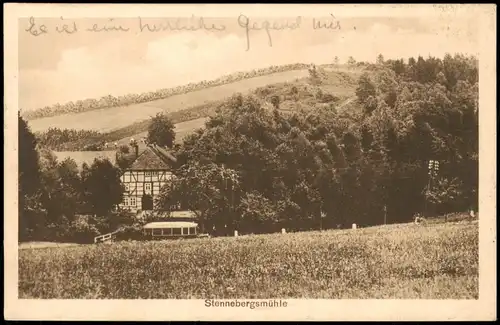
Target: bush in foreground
(402,261)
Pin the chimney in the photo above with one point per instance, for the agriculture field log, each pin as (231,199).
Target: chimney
(134,145)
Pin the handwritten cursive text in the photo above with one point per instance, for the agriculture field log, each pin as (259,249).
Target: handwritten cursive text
(244,22)
(106,28)
(65,28)
(36,30)
(187,24)
(331,24)
(194,25)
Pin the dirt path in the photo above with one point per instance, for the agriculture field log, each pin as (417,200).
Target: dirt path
(348,101)
(35,245)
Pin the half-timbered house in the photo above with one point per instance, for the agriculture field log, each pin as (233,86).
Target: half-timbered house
(145,177)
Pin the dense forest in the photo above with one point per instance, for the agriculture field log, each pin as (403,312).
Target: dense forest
(70,140)
(257,168)
(60,201)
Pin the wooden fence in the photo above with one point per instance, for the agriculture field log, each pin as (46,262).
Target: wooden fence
(104,238)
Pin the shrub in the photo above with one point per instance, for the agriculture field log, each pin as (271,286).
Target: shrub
(130,232)
(60,231)
(82,230)
(328,98)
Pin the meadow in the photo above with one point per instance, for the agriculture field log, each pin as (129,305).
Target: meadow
(404,261)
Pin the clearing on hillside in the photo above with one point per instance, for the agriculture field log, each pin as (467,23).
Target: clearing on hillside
(108,119)
(339,82)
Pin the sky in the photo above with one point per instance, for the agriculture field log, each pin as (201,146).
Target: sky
(60,67)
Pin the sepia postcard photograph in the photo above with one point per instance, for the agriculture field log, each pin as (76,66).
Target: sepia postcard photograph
(249,162)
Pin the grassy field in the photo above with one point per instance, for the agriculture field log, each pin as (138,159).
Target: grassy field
(433,261)
(342,82)
(108,119)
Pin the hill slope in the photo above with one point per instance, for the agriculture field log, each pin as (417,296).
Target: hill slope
(189,111)
(108,119)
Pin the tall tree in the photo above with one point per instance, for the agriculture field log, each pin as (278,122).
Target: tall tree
(102,186)
(366,93)
(125,158)
(29,169)
(161,131)
(210,191)
(62,191)
(275,100)
(380,59)
(29,180)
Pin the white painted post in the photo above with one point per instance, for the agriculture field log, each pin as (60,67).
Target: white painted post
(353,226)
(236,233)
(472,214)
(283,230)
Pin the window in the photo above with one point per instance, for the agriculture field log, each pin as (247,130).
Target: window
(148,186)
(175,207)
(125,201)
(176,231)
(154,173)
(133,201)
(156,232)
(192,231)
(167,232)
(147,174)
(127,187)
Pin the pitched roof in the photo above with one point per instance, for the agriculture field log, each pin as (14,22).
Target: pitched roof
(182,215)
(168,215)
(164,153)
(88,157)
(153,158)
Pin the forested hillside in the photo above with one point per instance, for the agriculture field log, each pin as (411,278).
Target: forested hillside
(298,155)
(262,169)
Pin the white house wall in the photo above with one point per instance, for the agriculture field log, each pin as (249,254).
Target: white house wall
(138,183)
